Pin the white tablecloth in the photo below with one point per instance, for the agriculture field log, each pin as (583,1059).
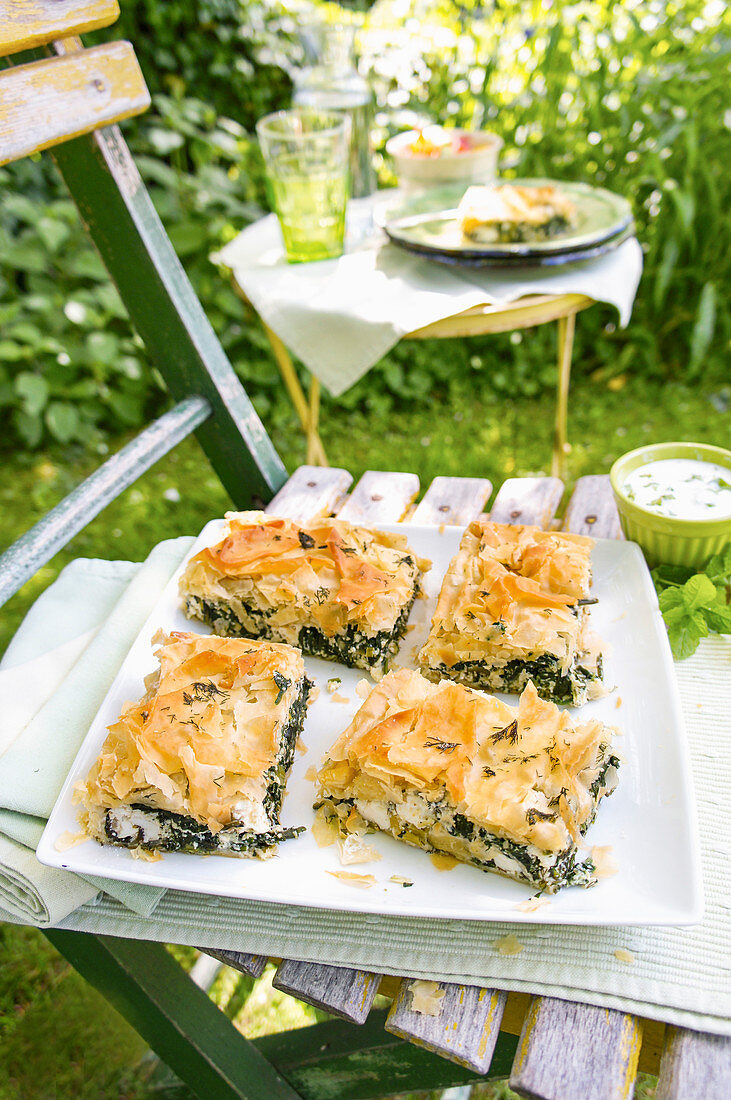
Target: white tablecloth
(340,316)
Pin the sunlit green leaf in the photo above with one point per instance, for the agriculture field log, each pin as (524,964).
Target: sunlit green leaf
(670,254)
(32,390)
(705,323)
(62,420)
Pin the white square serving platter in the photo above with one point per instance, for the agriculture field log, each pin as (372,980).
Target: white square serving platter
(649,821)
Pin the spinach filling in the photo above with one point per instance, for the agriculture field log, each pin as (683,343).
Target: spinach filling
(352,647)
(276,775)
(545,672)
(181,833)
(565,870)
(517,233)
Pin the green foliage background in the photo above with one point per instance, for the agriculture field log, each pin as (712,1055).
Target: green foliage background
(628,94)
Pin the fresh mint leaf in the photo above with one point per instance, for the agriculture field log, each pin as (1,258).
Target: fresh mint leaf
(691,610)
(685,635)
(698,592)
(718,568)
(670,598)
(673,616)
(718,615)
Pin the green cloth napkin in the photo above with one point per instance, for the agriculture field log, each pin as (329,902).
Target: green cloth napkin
(53,678)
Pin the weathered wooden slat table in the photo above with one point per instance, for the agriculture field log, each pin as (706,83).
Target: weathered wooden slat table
(567,1051)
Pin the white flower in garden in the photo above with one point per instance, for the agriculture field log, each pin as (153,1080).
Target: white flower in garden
(75,312)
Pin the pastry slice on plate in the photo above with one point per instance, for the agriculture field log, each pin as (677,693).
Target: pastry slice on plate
(514,213)
(513,608)
(200,762)
(510,789)
(335,590)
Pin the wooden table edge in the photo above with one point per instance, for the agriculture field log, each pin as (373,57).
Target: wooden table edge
(525,312)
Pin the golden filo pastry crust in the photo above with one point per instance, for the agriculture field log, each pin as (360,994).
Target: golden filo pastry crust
(335,590)
(199,763)
(449,769)
(513,608)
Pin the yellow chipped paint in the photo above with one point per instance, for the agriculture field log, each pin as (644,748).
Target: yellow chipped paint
(50,101)
(490,1022)
(630,1043)
(34,22)
(367,984)
(528,1025)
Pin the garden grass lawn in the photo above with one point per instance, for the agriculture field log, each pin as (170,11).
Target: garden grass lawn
(58,1039)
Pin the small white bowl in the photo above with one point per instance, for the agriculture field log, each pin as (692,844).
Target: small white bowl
(476,164)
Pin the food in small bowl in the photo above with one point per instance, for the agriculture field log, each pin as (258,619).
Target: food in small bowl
(674,499)
(436,155)
(511,214)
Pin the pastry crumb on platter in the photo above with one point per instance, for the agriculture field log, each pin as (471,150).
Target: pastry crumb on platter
(350,878)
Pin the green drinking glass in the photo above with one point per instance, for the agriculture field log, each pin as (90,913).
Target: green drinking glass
(306,153)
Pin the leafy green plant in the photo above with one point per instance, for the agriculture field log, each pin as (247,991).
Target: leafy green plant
(623,95)
(627,95)
(224,53)
(70,367)
(695,604)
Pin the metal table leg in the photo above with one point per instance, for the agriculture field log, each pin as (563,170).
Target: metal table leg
(561,446)
(308,413)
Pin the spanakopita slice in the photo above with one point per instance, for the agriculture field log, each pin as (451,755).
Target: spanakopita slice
(200,762)
(514,213)
(448,769)
(335,590)
(513,608)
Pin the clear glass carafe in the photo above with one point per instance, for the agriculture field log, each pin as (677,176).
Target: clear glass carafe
(331,82)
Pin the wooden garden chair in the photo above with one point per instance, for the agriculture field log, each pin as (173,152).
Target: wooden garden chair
(69,97)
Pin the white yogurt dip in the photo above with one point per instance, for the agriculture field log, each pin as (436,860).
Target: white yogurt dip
(683,488)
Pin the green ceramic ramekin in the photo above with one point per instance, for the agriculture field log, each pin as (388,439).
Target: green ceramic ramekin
(662,538)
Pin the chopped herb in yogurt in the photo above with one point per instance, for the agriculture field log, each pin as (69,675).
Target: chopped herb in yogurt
(682,488)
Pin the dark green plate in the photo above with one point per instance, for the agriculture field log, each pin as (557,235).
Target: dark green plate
(427,223)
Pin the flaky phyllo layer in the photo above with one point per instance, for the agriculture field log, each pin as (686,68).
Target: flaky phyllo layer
(199,763)
(335,590)
(448,769)
(512,608)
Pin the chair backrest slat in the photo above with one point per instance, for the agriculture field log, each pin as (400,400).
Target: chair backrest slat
(35,22)
(46,102)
